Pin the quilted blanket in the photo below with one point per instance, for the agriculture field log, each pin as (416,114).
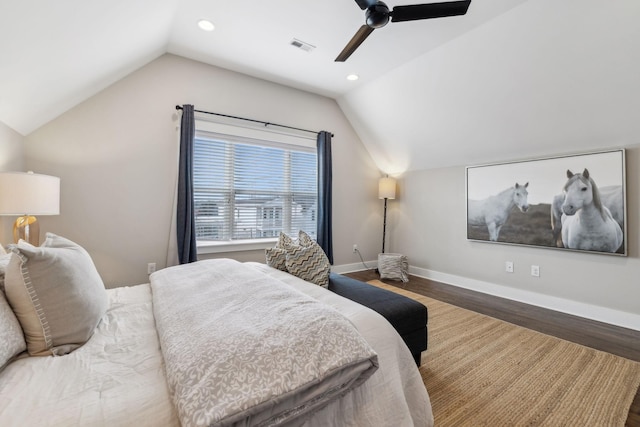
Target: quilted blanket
(243,348)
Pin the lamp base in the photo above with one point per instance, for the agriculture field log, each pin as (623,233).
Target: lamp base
(27,228)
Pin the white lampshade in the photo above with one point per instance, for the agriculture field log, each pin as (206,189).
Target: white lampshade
(29,193)
(387,188)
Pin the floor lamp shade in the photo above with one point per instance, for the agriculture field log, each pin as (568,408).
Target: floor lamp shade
(26,194)
(387,188)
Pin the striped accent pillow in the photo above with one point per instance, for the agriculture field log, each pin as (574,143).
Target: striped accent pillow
(285,240)
(304,239)
(308,261)
(276,258)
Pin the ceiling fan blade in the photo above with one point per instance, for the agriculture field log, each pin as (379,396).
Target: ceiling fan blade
(364,4)
(430,10)
(353,44)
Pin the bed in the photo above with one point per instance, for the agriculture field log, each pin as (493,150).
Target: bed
(140,366)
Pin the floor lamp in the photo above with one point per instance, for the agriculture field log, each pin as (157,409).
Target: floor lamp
(27,194)
(386,190)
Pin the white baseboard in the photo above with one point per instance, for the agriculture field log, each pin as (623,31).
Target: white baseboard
(589,311)
(594,312)
(350,268)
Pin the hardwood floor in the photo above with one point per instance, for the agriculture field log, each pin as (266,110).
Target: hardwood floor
(601,336)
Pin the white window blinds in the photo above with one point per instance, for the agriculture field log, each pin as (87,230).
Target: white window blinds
(251,189)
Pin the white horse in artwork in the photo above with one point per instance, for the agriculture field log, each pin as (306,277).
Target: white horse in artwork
(493,211)
(556,219)
(611,197)
(587,223)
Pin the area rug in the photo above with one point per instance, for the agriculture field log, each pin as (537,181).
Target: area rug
(481,371)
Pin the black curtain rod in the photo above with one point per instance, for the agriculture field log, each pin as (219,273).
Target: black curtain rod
(178,107)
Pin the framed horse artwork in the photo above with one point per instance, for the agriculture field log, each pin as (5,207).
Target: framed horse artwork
(573,202)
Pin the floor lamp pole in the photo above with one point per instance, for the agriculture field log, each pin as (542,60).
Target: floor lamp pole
(384,224)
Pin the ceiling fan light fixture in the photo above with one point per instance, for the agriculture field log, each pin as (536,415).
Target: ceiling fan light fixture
(206,25)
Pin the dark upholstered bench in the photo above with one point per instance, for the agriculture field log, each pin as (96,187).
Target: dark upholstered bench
(407,316)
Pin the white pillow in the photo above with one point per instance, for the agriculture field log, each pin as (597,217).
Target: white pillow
(56,293)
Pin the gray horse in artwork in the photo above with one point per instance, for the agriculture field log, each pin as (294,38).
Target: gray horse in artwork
(493,211)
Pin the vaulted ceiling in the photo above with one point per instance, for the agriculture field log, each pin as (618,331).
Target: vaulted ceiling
(511,78)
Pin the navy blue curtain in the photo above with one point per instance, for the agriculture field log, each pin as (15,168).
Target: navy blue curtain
(185,218)
(324,232)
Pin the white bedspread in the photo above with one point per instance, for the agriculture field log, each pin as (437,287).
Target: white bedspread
(115,379)
(242,348)
(395,395)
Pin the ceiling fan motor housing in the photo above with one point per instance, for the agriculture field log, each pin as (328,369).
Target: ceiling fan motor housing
(377,15)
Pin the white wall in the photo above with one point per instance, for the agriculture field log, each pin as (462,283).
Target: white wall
(116,154)
(11,152)
(11,159)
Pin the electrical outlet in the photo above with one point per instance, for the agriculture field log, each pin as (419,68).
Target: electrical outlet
(508,266)
(355,248)
(151,267)
(535,270)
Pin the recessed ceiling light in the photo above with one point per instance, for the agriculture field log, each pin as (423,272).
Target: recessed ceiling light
(206,25)
(353,77)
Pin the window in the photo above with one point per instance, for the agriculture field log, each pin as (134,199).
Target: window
(247,189)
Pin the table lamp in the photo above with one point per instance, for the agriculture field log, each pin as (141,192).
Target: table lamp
(26,194)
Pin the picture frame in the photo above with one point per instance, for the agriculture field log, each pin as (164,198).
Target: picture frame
(570,202)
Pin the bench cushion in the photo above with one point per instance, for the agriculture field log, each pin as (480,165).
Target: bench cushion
(407,316)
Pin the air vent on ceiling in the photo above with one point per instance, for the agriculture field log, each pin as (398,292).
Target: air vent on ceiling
(302,45)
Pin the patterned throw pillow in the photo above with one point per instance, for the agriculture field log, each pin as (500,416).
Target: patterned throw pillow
(4,262)
(276,258)
(11,335)
(285,240)
(308,261)
(304,239)
(301,257)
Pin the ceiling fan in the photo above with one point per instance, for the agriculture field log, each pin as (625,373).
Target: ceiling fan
(378,14)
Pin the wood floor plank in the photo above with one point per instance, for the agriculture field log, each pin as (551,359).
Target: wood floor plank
(601,336)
